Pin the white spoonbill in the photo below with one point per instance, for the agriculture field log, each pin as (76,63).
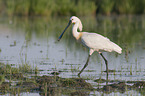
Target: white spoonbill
(93,41)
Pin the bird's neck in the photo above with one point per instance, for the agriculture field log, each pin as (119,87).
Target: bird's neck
(75,33)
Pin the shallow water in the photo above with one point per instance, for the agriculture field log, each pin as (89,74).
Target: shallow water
(34,41)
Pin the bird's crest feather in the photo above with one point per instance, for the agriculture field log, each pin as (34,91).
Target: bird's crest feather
(80,25)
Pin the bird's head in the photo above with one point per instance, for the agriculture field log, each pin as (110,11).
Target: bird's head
(73,20)
(76,20)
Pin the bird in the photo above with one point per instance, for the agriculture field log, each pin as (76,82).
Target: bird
(93,41)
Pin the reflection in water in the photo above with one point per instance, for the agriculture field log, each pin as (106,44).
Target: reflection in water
(35,41)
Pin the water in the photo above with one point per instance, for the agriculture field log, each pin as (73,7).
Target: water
(34,41)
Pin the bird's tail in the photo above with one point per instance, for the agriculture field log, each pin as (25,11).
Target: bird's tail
(117,48)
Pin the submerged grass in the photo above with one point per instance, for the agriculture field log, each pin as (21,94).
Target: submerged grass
(12,73)
(25,68)
(46,85)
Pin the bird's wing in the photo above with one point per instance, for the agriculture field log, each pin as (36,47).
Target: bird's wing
(95,41)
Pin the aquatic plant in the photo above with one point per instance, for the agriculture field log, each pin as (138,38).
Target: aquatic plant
(47,7)
(70,7)
(25,68)
(106,6)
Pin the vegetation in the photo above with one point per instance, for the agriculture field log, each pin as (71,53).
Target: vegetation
(14,82)
(70,7)
(7,71)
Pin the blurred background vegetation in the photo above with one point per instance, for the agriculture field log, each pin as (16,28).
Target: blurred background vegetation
(70,7)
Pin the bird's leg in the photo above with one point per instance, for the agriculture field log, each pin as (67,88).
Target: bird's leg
(106,62)
(84,66)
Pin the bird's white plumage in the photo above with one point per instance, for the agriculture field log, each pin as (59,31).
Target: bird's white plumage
(99,43)
(93,41)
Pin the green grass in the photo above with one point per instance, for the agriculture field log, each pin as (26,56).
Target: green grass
(6,69)
(70,7)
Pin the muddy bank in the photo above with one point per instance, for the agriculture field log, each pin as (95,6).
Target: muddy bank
(15,81)
(55,85)
(25,79)
(122,86)
(48,85)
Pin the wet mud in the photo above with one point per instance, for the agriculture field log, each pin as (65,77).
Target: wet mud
(14,81)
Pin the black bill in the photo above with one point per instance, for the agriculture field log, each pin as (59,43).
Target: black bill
(64,30)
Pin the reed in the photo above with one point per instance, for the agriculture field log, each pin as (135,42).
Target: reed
(70,7)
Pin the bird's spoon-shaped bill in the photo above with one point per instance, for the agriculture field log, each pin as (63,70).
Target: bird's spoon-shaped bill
(64,30)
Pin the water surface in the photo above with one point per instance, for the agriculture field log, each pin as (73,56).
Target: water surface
(34,41)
